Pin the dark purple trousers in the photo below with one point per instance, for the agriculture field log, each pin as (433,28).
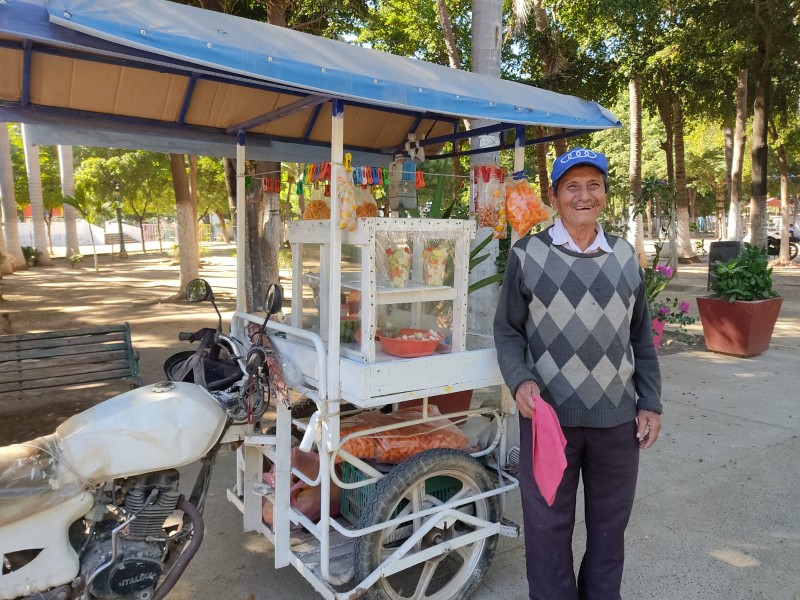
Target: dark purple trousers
(608,462)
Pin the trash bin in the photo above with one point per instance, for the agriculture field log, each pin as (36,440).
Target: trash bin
(720,251)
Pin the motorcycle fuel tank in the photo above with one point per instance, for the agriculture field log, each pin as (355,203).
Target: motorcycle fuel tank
(155,427)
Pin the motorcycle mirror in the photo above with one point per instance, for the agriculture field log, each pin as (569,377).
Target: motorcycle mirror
(273,301)
(198,290)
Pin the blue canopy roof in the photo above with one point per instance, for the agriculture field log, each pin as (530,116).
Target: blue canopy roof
(210,74)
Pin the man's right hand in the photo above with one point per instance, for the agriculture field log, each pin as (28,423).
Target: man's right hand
(524,398)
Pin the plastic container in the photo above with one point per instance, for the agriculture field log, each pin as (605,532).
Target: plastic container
(409,348)
(353,500)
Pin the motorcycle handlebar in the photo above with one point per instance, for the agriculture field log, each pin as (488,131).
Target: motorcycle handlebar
(185,336)
(256,357)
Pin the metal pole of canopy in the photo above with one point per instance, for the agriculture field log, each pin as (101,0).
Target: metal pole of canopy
(519,163)
(330,408)
(240,222)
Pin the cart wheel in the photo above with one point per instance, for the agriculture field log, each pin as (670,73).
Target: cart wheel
(792,251)
(423,481)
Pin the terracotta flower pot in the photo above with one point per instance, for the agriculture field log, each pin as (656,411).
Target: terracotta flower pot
(658,332)
(738,328)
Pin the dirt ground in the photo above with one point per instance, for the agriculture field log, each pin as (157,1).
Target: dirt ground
(136,290)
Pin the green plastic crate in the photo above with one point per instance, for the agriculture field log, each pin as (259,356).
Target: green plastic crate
(353,500)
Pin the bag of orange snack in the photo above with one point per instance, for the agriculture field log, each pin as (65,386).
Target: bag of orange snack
(396,445)
(524,208)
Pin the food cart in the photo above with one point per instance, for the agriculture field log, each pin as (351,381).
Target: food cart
(195,80)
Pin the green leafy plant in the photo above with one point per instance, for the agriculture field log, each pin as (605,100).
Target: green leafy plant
(75,259)
(746,277)
(31,254)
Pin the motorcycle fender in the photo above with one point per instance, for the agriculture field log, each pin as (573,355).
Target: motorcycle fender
(47,531)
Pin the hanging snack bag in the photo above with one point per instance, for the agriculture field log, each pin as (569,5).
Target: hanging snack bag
(347,199)
(365,203)
(317,206)
(490,199)
(524,208)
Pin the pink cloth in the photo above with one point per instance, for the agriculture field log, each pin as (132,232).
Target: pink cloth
(549,460)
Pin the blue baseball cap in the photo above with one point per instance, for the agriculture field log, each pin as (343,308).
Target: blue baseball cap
(578,156)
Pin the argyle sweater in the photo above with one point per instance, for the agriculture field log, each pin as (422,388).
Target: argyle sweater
(578,325)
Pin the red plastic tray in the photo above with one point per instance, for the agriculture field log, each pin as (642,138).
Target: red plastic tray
(408,348)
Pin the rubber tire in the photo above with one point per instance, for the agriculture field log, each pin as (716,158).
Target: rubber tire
(389,493)
(792,250)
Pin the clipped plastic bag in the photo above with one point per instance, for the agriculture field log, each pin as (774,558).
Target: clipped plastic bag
(347,199)
(524,208)
(490,199)
(317,206)
(365,203)
(396,445)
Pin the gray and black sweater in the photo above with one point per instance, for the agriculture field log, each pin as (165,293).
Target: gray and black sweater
(578,325)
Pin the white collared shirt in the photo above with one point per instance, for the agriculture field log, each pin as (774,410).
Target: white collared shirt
(561,237)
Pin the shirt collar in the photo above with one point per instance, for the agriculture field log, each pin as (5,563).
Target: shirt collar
(561,237)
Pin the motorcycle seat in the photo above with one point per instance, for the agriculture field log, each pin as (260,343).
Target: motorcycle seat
(33,478)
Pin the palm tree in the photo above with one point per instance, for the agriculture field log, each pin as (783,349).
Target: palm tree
(10,218)
(92,209)
(37,200)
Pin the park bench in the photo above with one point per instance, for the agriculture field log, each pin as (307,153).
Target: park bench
(57,359)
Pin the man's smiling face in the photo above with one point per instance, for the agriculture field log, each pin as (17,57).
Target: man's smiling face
(580,197)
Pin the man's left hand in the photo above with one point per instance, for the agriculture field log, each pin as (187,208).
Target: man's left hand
(648,428)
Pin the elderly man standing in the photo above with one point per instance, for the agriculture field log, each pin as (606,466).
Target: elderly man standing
(572,329)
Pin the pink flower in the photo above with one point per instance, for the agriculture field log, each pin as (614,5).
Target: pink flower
(664,310)
(684,306)
(664,270)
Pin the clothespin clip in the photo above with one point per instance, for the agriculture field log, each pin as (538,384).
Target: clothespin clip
(486,173)
(366,176)
(326,170)
(265,184)
(300,189)
(309,172)
(386,178)
(419,181)
(377,176)
(348,162)
(327,191)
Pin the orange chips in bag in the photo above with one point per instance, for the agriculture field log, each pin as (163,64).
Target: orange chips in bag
(524,208)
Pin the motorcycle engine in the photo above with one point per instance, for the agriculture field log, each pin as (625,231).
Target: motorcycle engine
(141,546)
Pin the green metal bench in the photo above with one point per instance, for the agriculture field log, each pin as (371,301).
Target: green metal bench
(58,359)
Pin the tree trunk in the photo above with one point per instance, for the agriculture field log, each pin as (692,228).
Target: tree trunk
(757,234)
(10,215)
(188,250)
(635,221)
(67,189)
(544,177)
(37,202)
(453,55)
(262,236)
(224,227)
(684,242)
(230,186)
(735,230)
(487,40)
(783,169)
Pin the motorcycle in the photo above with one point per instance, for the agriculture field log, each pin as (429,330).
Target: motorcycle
(94,510)
(774,246)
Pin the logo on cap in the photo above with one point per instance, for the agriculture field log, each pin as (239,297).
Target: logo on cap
(578,156)
(577,153)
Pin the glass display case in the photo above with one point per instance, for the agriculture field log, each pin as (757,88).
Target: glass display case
(404,286)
